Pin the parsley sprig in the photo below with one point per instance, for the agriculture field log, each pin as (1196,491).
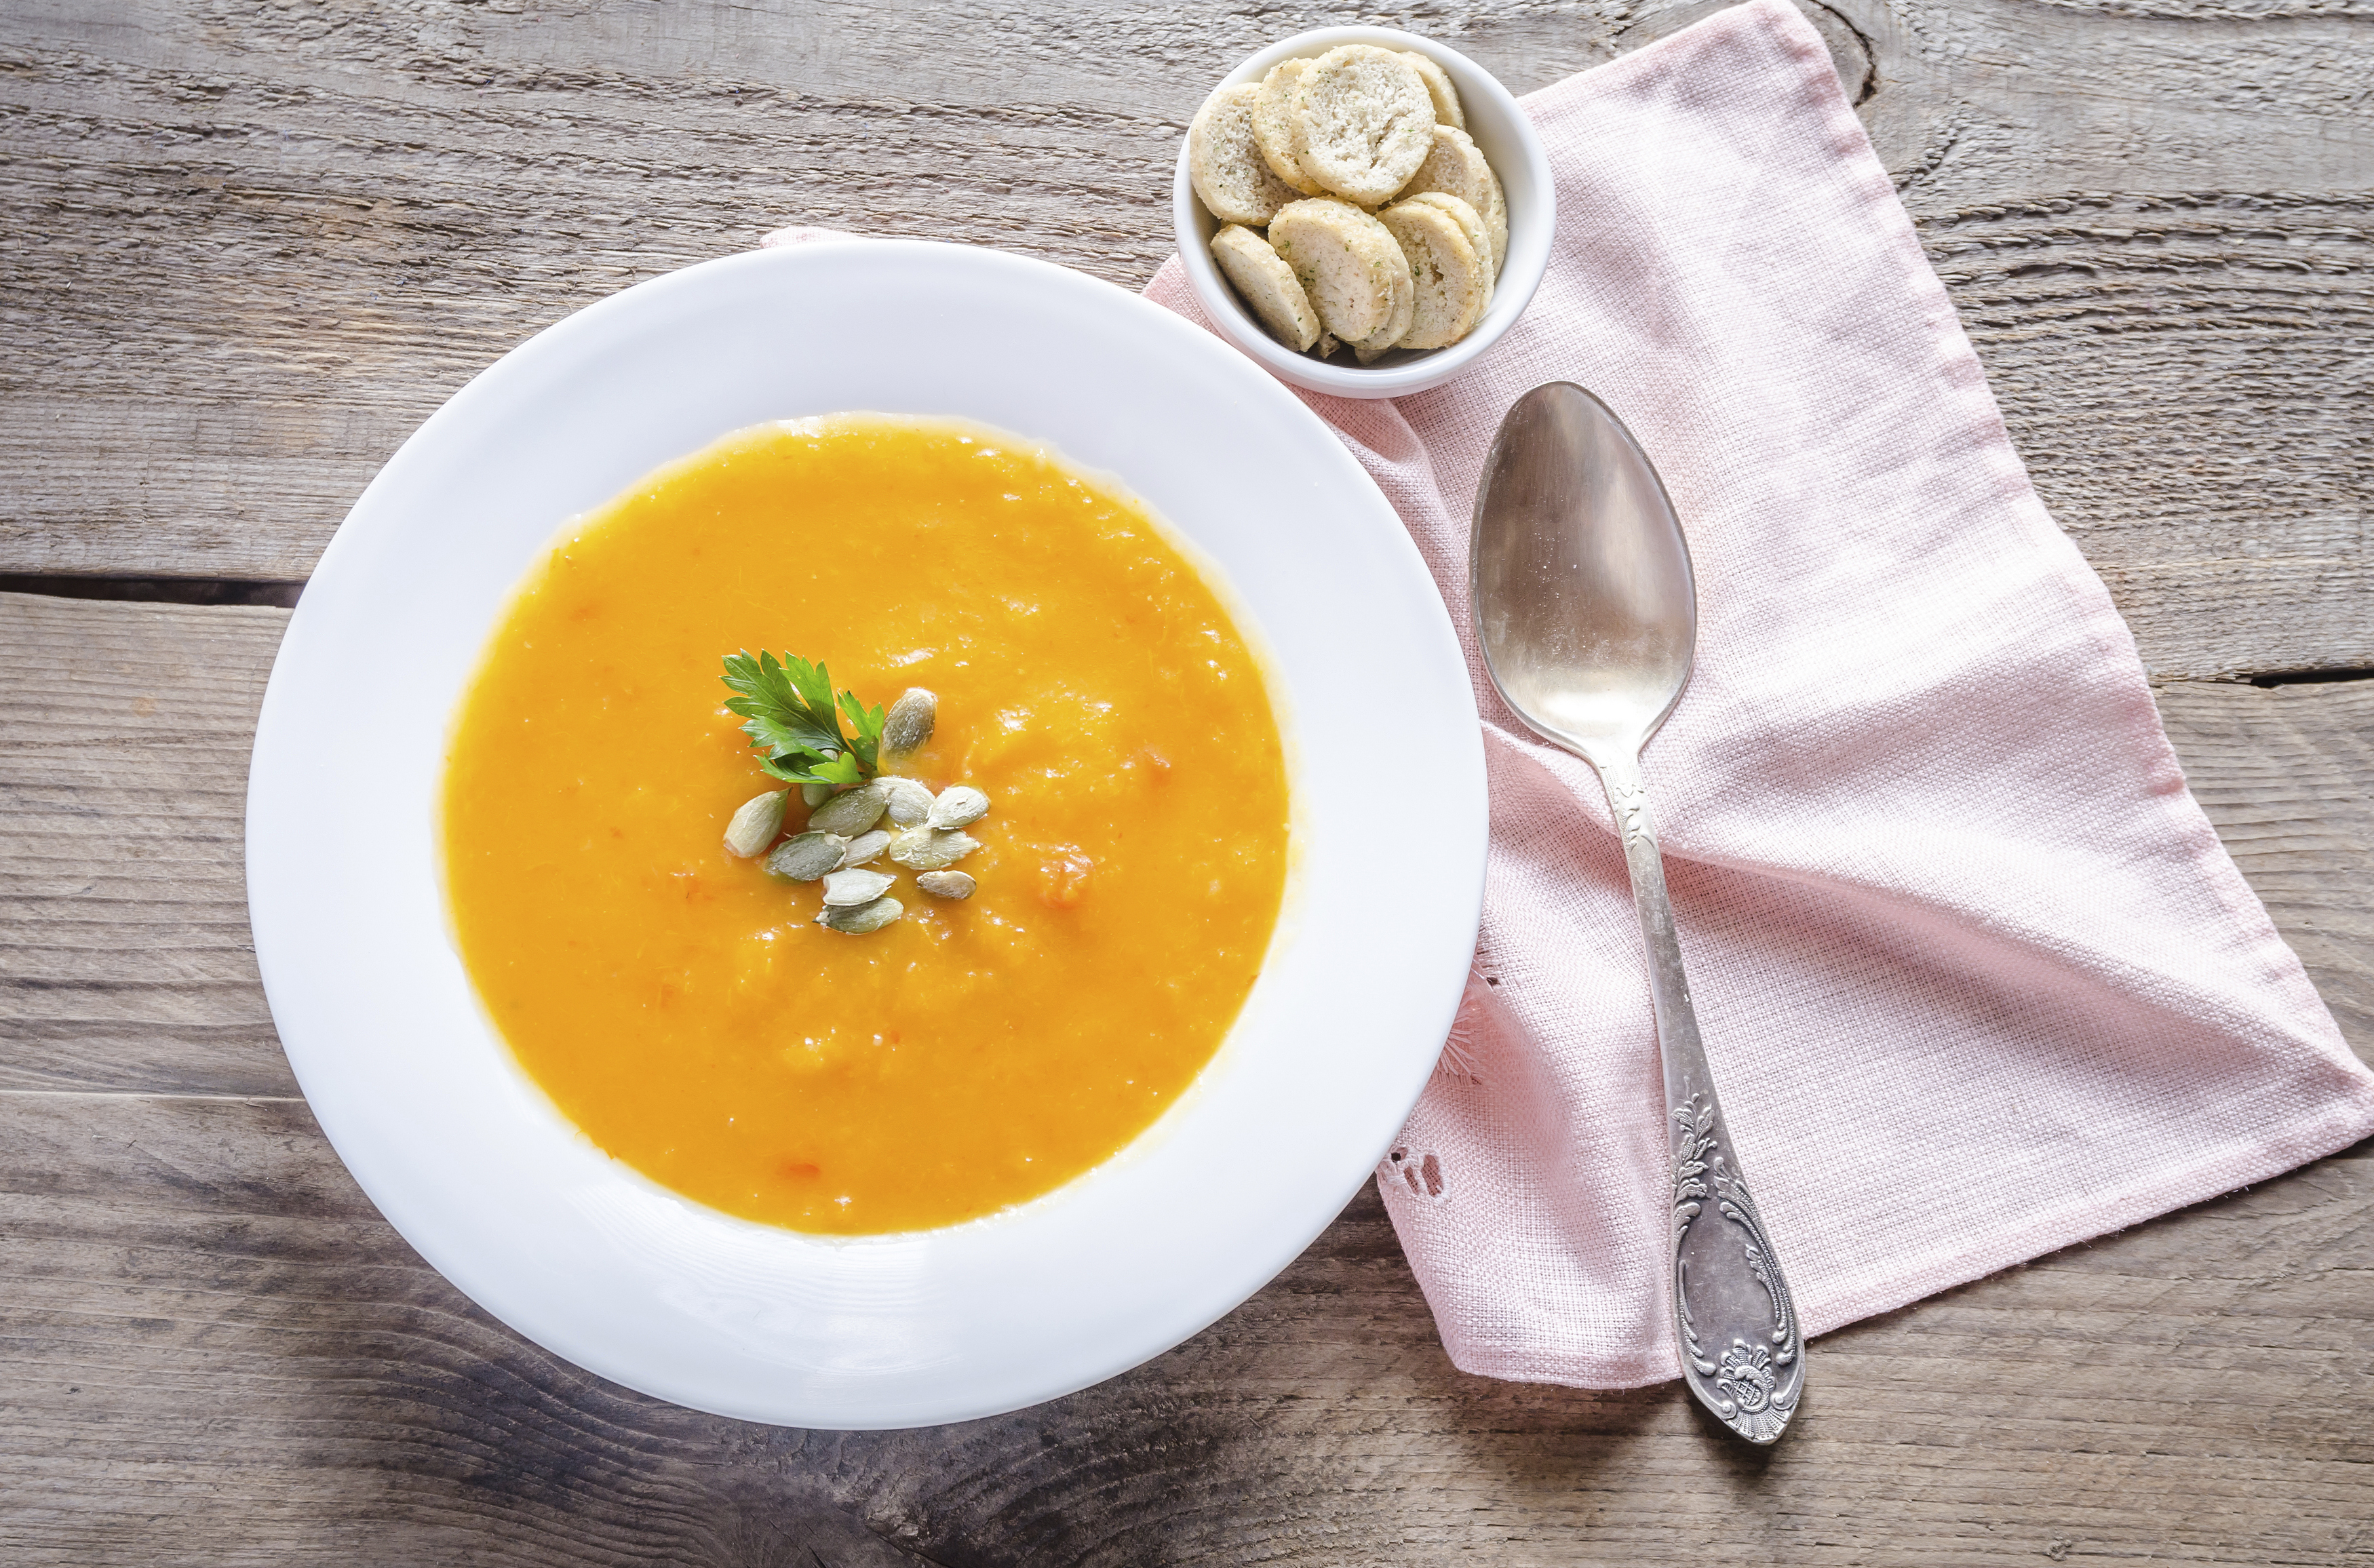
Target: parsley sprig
(793,721)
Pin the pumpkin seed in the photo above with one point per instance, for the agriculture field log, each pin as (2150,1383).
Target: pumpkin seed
(946,884)
(805,857)
(909,722)
(755,826)
(862,919)
(864,848)
(853,888)
(850,813)
(814,795)
(910,803)
(958,805)
(931,848)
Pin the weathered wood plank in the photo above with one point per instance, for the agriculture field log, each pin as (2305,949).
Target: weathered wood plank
(248,250)
(217,1354)
(2287,776)
(2205,440)
(125,961)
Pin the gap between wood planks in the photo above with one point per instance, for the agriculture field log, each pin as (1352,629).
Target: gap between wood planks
(2307,677)
(151,1094)
(285,594)
(156,590)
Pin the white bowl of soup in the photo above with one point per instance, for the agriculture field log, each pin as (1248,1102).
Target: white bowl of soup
(618,1084)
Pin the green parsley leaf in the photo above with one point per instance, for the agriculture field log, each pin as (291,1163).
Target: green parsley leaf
(868,743)
(793,721)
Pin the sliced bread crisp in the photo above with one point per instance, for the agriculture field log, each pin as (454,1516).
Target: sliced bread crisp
(1451,274)
(1368,122)
(1278,130)
(1350,267)
(1455,165)
(1267,285)
(1437,85)
(1225,163)
(1397,324)
(1399,313)
(1471,223)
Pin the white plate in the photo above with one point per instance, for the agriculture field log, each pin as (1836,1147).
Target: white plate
(465,1157)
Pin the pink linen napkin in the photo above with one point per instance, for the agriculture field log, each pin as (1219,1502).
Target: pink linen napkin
(1976,977)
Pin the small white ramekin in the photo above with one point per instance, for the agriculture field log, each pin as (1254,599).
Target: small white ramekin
(1508,144)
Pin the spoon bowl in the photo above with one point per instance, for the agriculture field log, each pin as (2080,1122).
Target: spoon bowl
(1578,516)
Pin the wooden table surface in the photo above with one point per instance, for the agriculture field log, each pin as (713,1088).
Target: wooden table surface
(249,246)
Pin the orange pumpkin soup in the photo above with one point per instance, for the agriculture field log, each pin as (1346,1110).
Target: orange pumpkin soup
(682,1006)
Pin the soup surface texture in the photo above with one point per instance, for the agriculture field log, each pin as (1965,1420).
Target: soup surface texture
(681,1006)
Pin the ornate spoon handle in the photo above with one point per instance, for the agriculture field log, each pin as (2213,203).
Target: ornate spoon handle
(1740,1351)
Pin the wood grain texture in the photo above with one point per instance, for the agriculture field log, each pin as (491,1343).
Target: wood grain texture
(217,1354)
(249,248)
(126,959)
(2286,775)
(2206,445)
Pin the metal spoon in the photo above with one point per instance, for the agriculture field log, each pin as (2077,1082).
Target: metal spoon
(1587,613)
